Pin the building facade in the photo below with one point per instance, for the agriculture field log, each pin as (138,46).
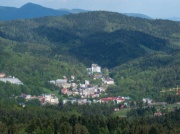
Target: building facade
(95,68)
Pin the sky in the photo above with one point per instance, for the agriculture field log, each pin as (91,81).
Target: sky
(152,8)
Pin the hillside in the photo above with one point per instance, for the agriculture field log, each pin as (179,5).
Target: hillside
(74,33)
(112,40)
(142,55)
(147,76)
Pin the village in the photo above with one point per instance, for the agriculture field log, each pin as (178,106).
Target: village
(87,93)
(86,89)
(80,93)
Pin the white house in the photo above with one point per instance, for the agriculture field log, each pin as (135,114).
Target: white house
(147,100)
(108,81)
(73,84)
(51,98)
(72,77)
(28,97)
(87,82)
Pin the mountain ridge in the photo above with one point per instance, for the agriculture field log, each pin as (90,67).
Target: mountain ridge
(13,13)
(31,10)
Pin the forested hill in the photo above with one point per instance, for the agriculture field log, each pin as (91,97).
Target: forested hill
(106,38)
(87,23)
(142,55)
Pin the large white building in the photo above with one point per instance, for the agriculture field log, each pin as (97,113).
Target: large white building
(12,80)
(95,68)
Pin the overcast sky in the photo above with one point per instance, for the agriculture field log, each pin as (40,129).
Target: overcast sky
(152,8)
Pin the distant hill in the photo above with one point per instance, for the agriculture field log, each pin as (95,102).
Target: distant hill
(138,15)
(31,10)
(6,12)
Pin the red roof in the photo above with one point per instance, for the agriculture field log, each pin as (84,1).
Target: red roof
(111,99)
(64,91)
(158,114)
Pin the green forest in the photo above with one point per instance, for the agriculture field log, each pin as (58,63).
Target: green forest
(49,120)
(142,55)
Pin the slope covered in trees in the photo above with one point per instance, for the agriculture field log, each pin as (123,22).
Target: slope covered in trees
(87,32)
(143,57)
(149,49)
(147,76)
(34,66)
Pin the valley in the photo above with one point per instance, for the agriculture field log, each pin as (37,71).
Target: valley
(55,57)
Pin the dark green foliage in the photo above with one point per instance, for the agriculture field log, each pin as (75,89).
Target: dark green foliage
(172,99)
(142,112)
(52,120)
(55,35)
(88,110)
(115,48)
(34,102)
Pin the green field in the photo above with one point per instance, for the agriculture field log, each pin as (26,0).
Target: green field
(168,107)
(122,112)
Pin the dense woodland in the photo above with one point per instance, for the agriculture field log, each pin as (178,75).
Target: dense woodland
(49,120)
(143,57)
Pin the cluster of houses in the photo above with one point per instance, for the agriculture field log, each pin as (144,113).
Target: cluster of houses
(10,79)
(44,98)
(86,90)
(70,88)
